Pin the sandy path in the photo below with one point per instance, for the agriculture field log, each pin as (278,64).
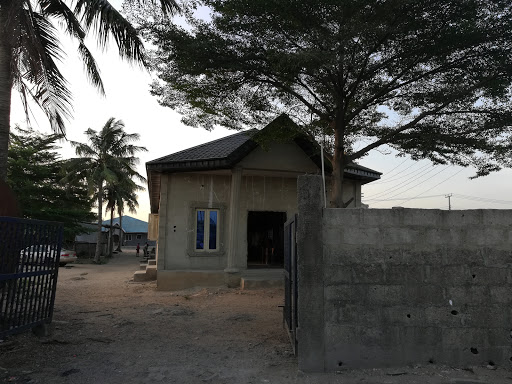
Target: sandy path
(108,329)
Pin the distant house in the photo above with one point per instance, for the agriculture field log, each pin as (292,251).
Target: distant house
(85,243)
(219,208)
(135,231)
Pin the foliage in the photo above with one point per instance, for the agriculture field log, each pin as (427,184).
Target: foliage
(31,33)
(34,173)
(431,79)
(118,196)
(107,164)
(30,50)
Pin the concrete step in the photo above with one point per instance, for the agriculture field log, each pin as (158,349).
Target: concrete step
(142,267)
(259,283)
(148,274)
(258,278)
(139,276)
(151,262)
(151,271)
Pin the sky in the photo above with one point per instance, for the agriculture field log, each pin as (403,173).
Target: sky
(403,183)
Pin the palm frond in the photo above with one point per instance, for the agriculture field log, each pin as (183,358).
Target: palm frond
(38,75)
(111,164)
(91,67)
(59,10)
(101,16)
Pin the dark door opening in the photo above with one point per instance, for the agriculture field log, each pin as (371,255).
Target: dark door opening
(265,236)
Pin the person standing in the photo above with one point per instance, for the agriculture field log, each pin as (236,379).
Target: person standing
(146,250)
(138,249)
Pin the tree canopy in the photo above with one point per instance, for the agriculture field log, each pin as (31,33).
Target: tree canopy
(431,79)
(35,171)
(107,163)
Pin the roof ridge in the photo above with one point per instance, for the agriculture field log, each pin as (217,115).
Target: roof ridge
(202,145)
(124,217)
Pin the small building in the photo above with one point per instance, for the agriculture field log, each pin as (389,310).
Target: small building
(135,231)
(85,243)
(221,206)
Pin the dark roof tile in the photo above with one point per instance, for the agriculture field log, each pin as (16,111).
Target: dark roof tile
(217,149)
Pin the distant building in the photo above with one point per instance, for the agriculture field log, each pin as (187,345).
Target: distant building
(85,243)
(135,231)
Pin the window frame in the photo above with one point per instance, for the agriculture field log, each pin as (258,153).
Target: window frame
(127,237)
(138,236)
(194,207)
(206,230)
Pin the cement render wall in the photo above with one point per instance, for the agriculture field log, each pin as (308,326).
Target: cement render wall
(382,288)
(268,184)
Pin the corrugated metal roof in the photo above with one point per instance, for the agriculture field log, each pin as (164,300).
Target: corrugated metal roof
(130,224)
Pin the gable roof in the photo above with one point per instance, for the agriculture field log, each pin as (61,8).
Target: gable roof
(225,148)
(130,224)
(226,152)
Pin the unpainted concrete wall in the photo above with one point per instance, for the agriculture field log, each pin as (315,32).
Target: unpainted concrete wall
(391,287)
(269,183)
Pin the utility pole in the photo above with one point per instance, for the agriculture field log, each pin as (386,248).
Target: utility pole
(449,200)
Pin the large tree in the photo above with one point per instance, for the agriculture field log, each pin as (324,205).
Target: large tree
(35,171)
(431,79)
(107,160)
(30,50)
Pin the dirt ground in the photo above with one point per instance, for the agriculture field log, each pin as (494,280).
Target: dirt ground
(107,329)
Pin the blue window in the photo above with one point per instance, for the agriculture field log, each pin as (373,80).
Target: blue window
(200,229)
(207,230)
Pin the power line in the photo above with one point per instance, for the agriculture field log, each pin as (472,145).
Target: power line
(482,199)
(410,198)
(403,184)
(392,169)
(448,178)
(386,181)
(414,186)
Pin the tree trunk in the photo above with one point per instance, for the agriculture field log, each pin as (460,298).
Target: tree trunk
(100,220)
(338,168)
(120,231)
(111,233)
(5,90)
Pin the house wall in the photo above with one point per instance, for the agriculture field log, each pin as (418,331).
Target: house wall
(269,183)
(153,226)
(184,192)
(134,240)
(279,157)
(393,287)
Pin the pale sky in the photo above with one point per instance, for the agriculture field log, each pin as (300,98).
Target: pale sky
(162,133)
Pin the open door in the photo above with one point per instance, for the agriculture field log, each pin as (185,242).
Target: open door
(265,239)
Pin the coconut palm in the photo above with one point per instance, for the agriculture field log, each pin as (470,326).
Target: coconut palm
(119,195)
(30,49)
(107,160)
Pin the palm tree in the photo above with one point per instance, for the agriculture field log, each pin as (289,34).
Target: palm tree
(118,195)
(30,48)
(108,160)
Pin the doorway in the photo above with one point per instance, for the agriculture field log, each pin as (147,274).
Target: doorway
(265,236)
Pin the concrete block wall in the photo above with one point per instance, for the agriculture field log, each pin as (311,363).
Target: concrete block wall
(402,286)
